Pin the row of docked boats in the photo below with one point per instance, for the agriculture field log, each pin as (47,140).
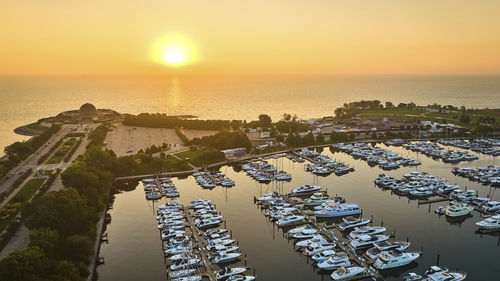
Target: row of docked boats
(435,151)
(489,175)
(308,239)
(486,146)
(156,188)
(376,156)
(264,172)
(209,180)
(222,248)
(322,165)
(416,184)
(436,273)
(183,260)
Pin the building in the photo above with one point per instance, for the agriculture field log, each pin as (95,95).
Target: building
(86,113)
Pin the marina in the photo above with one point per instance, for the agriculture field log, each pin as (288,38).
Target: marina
(252,230)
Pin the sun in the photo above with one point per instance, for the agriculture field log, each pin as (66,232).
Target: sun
(174,50)
(174,56)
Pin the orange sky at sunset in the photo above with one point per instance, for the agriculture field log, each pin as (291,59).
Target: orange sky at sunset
(322,37)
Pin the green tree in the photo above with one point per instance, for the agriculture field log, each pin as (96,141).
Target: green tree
(265,121)
(320,138)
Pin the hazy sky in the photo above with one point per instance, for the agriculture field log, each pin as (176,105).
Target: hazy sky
(311,37)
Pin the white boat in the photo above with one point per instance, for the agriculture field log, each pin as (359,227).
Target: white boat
(346,272)
(181,273)
(208,223)
(440,273)
(222,248)
(269,197)
(370,230)
(380,247)
(179,264)
(317,239)
(412,277)
(456,209)
(290,220)
(351,222)
(226,257)
(338,211)
(240,277)
(489,223)
(323,255)
(189,278)
(305,234)
(394,258)
(300,229)
(219,242)
(364,241)
(178,250)
(318,248)
(229,271)
(303,189)
(335,261)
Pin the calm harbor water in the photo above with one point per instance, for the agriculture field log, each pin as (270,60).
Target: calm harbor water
(27,99)
(134,249)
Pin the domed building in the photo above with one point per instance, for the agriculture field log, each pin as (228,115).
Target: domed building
(87,113)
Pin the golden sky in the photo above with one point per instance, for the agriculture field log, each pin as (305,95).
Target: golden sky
(255,37)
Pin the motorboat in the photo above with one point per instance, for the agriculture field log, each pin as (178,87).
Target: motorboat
(181,273)
(219,242)
(221,248)
(168,233)
(269,197)
(440,273)
(208,223)
(412,277)
(190,278)
(227,272)
(178,250)
(365,241)
(179,264)
(374,252)
(304,189)
(456,209)
(300,229)
(323,255)
(318,248)
(351,222)
(240,277)
(490,223)
(317,199)
(305,234)
(347,272)
(226,257)
(317,239)
(338,211)
(394,258)
(370,230)
(337,260)
(290,220)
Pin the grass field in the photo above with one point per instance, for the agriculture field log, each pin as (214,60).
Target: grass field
(62,151)
(36,126)
(161,165)
(202,157)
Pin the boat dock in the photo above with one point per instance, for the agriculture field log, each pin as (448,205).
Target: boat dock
(331,234)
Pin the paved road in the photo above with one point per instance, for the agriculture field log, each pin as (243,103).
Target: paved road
(32,160)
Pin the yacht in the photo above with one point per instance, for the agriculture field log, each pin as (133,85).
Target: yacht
(317,199)
(304,189)
(290,220)
(317,239)
(491,206)
(490,223)
(226,257)
(305,234)
(190,278)
(370,230)
(338,211)
(227,272)
(347,272)
(456,209)
(439,273)
(314,249)
(323,255)
(300,229)
(412,277)
(269,197)
(351,222)
(179,264)
(380,247)
(394,258)
(240,277)
(364,241)
(208,223)
(223,248)
(181,273)
(337,260)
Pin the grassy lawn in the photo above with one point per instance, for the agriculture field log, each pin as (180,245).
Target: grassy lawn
(10,210)
(269,150)
(160,165)
(202,157)
(401,114)
(63,150)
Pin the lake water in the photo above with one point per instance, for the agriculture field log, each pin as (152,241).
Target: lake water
(27,99)
(134,251)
